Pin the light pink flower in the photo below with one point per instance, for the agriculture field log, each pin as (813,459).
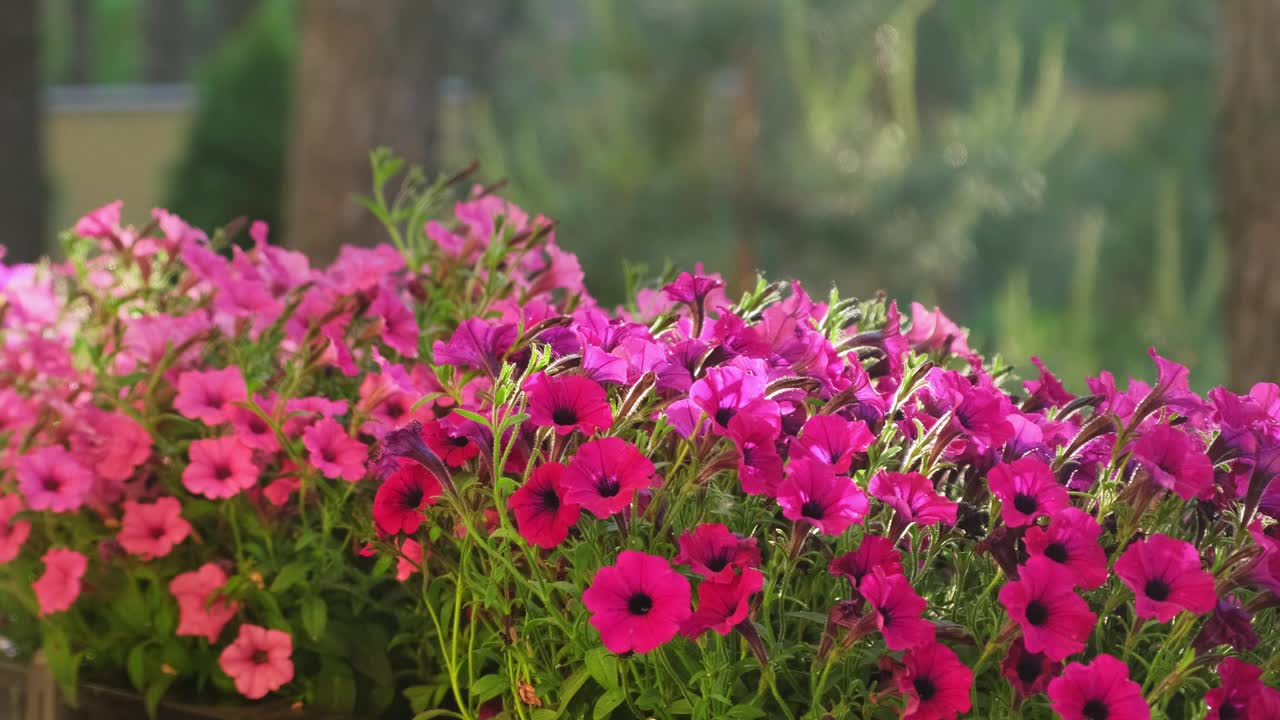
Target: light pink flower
(219,468)
(334,453)
(209,395)
(113,442)
(53,479)
(12,534)
(201,612)
(152,530)
(259,661)
(59,586)
(410,561)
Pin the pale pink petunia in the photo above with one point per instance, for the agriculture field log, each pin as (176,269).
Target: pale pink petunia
(59,586)
(114,443)
(151,530)
(219,468)
(259,661)
(335,453)
(209,395)
(202,613)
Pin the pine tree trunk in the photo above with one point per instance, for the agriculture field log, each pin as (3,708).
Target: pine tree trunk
(369,76)
(22,181)
(1249,183)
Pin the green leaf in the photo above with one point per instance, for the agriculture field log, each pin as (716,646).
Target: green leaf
(136,665)
(64,664)
(315,614)
(607,703)
(334,689)
(745,712)
(428,715)
(489,687)
(368,652)
(487,422)
(289,575)
(680,707)
(571,688)
(603,666)
(155,693)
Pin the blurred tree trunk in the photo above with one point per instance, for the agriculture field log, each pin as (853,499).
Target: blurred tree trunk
(165,41)
(1249,183)
(81,41)
(22,183)
(369,76)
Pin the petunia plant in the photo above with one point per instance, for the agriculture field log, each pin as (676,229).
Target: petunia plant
(438,478)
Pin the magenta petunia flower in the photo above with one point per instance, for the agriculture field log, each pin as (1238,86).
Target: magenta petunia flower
(259,661)
(251,429)
(715,553)
(219,468)
(913,499)
(53,479)
(1046,391)
(1230,624)
(637,603)
(1100,690)
(1071,541)
(724,392)
(722,605)
(935,332)
(1238,683)
(1027,490)
(477,344)
(605,474)
(209,395)
(13,535)
(898,610)
(401,498)
(151,531)
(1029,673)
(755,436)
(812,493)
(1165,575)
(873,552)
(59,586)
(1054,620)
(543,517)
(833,440)
(1176,461)
(201,611)
(568,403)
(335,453)
(399,326)
(692,289)
(935,683)
(453,446)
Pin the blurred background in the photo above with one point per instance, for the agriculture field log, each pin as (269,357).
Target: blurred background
(1077,180)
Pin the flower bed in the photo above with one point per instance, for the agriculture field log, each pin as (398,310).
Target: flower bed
(438,477)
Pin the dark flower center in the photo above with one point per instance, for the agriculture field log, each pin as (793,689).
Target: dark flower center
(257,426)
(717,562)
(458,441)
(812,509)
(724,415)
(1037,613)
(395,410)
(413,498)
(1228,712)
(1095,710)
(608,486)
(222,472)
(886,615)
(564,416)
(51,484)
(925,688)
(550,500)
(1056,552)
(157,532)
(1157,589)
(640,604)
(328,455)
(260,657)
(1029,667)
(1025,504)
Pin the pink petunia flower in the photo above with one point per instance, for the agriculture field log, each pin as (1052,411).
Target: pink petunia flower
(59,586)
(1071,540)
(219,468)
(399,326)
(259,661)
(1176,461)
(935,332)
(401,498)
(1101,689)
(724,392)
(453,447)
(1029,673)
(715,553)
(722,605)
(1027,490)
(252,429)
(1046,391)
(152,530)
(278,491)
(568,403)
(202,612)
(913,499)
(335,453)
(1054,620)
(812,493)
(605,475)
(543,516)
(13,535)
(410,560)
(115,442)
(208,395)
(897,609)
(638,603)
(873,552)
(833,440)
(935,682)
(53,479)
(1165,575)
(1238,683)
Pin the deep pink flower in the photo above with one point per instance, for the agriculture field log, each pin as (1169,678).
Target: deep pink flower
(219,468)
(722,605)
(401,498)
(152,530)
(102,223)
(935,683)
(1028,672)
(1165,575)
(208,395)
(1046,391)
(1027,490)
(259,661)
(755,437)
(605,475)
(1176,462)
(453,447)
(1100,690)
(898,610)
(59,586)
(251,429)
(116,443)
(202,611)
(12,534)
(1238,683)
(278,491)
(543,517)
(1071,540)
(410,559)
(693,290)
(476,344)
(715,553)
(933,331)
(568,403)
(53,479)
(335,453)
(913,499)
(637,603)
(977,411)
(833,440)
(399,326)
(725,391)
(1054,620)
(814,494)
(873,552)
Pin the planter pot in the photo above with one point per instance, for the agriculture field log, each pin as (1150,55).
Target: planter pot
(30,693)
